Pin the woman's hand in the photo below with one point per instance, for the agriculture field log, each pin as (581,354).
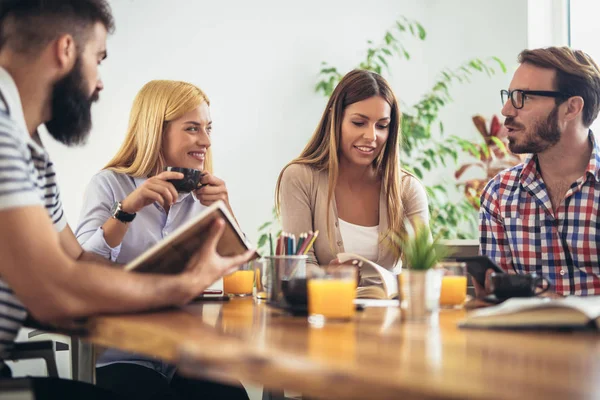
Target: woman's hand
(212,190)
(154,189)
(356,263)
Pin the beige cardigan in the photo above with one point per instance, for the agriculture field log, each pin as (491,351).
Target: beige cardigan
(303,199)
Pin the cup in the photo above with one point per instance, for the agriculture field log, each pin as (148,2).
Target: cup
(288,273)
(240,283)
(419,292)
(454,284)
(505,286)
(262,279)
(331,292)
(190,181)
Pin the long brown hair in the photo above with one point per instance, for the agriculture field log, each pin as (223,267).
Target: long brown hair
(322,150)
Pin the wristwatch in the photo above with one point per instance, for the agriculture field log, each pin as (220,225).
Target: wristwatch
(117,213)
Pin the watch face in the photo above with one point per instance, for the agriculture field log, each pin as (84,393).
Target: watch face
(114,208)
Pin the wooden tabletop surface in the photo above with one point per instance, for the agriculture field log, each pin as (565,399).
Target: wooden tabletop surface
(377,355)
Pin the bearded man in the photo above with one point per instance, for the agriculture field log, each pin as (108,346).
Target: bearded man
(541,216)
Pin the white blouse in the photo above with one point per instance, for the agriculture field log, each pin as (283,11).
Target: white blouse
(361,240)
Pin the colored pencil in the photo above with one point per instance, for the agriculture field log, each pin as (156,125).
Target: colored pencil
(305,243)
(310,243)
(301,240)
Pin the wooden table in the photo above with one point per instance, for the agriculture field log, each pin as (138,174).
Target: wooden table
(375,356)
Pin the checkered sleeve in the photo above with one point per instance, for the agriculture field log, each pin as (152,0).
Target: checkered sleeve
(493,240)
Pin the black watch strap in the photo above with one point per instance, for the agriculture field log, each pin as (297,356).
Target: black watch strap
(118,213)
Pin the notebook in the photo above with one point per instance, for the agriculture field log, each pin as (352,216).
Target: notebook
(538,313)
(171,255)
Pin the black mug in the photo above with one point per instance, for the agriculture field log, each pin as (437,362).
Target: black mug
(505,286)
(190,181)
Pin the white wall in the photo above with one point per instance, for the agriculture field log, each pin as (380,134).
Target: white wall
(548,23)
(258,63)
(585,32)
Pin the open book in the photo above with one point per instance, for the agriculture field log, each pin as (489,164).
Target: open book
(171,255)
(538,313)
(388,289)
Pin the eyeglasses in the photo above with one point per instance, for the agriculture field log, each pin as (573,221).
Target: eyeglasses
(517,96)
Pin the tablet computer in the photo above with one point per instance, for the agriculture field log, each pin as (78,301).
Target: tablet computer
(477,266)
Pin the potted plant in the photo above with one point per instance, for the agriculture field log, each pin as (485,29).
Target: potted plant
(420,282)
(492,157)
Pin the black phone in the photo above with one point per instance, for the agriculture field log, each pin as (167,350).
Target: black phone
(477,266)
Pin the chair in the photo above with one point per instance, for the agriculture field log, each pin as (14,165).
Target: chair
(83,358)
(42,349)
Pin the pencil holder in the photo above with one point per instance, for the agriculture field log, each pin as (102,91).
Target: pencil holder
(287,273)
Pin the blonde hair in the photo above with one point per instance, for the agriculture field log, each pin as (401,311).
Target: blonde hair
(155,105)
(322,150)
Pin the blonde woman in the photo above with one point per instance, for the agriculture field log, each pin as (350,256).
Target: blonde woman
(347,183)
(130,205)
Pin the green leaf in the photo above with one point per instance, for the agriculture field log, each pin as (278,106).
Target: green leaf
(265,225)
(382,60)
(500,145)
(389,38)
(418,172)
(501,63)
(475,65)
(262,240)
(422,32)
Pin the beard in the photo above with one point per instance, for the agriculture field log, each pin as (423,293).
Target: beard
(71,108)
(545,134)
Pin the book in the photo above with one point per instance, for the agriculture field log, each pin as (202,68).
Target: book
(386,289)
(171,255)
(538,313)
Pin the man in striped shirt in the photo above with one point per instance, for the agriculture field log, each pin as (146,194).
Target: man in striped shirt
(49,56)
(542,216)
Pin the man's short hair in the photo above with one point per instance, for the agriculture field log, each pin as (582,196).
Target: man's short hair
(576,74)
(26,26)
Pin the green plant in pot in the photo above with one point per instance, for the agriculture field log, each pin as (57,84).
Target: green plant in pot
(420,282)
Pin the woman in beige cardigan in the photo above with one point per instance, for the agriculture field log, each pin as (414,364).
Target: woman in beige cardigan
(347,183)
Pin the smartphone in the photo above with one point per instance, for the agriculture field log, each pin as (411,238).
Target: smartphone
(477,266)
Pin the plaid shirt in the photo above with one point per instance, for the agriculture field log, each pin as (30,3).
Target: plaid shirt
(519,230)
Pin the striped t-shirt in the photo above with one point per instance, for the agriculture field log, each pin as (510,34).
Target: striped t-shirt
(27,178)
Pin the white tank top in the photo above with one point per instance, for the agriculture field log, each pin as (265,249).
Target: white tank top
(361,240)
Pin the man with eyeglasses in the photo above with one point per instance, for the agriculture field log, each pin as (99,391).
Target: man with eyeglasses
(542,215)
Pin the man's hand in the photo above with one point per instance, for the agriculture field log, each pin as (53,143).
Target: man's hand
(481,292)
(206,266)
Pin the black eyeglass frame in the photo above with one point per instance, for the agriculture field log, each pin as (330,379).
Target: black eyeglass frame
(544,93)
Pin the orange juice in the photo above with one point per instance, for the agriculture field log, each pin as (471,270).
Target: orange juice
(454,290)
(240,282)
(331,298)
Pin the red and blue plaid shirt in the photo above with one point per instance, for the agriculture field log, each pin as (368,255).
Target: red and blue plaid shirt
(519,230)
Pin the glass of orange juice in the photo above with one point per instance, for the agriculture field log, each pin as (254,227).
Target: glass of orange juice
(331,293)
(239,283)
(454,284)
